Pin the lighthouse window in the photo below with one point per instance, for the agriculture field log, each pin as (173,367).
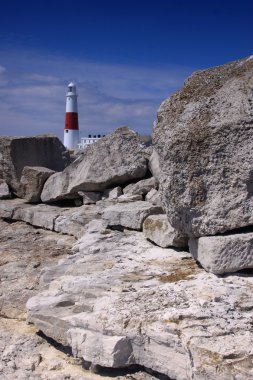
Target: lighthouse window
(70,89)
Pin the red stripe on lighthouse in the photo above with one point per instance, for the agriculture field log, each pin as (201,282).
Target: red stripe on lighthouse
(71,121)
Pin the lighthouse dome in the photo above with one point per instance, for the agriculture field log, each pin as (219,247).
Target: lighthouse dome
(72,87)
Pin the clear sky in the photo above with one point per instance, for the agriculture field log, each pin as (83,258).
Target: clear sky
(126,57)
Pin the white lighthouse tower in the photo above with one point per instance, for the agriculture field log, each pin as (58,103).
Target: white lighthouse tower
(71,130)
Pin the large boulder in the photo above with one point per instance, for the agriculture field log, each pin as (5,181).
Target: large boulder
(114,160)
(18,152)
(32,182)
(157,229)
(223,253)
(204,139)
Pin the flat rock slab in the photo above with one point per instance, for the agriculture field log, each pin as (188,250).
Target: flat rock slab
(130,215)
(224,254)
(67,220)
(158,229)
(119,301)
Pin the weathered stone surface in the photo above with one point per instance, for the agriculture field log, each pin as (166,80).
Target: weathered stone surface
(126,198)
(74,221)
(141,187)
(120,300)
(113,194)
(154,197)
(4,190)
(114,160)
(18,152)
(23,353)
(130,215)
(67,220)
(32,182)
(204,139)
(90,197)
(157,229)
(39,215)
(224,254)
(7,207)
(153,164)
(24,253)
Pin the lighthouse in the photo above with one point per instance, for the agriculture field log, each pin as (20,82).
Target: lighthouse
(71,130)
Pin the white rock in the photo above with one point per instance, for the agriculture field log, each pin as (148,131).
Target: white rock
(114,160)
(90,197)
(113,194)
(154,165)
(158,229)
(126,198)
(130,215)
(104,350)
(74,221)
(7,207)
(70,221)
(4,190)
(17,152)
(223,254)
(204,140)
(32,181)
(154,197)
(39,215)
(141,187)
(120,300)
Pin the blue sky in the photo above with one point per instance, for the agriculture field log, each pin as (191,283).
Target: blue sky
(125,56)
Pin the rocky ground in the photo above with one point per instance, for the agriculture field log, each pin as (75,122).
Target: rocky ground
(104,274)
(114,299)
(25,251)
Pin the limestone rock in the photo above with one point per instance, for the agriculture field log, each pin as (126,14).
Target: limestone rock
(126,198)
(204,140)
(141,187)
(130,215)
(120,300)
(39,215)
(67,220)
(7,207)
(18,152)
(24,253)
(154,197)
(90,197)
(224,254)
(32,182)
(157,229)
(114,160)
(113,194)
(74,221)
(154,165)
(4,190)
